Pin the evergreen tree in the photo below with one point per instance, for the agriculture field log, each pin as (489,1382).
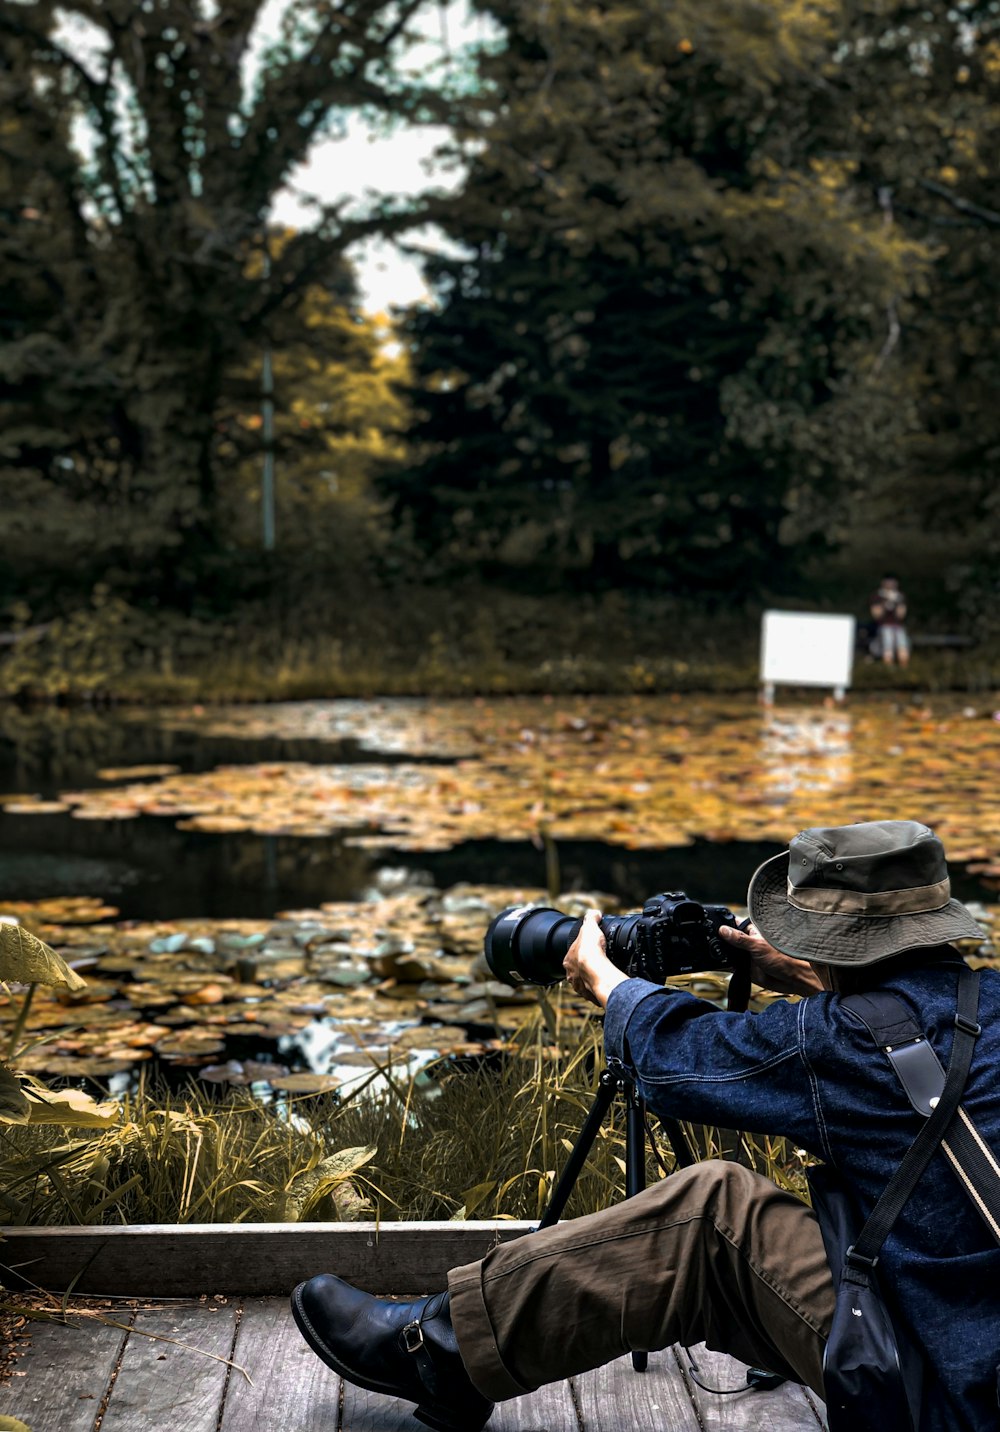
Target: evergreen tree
(663,339)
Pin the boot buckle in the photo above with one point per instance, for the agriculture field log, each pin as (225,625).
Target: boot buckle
(413,1337)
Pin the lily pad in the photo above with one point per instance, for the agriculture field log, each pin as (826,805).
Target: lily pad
(135,773)
(305,1083)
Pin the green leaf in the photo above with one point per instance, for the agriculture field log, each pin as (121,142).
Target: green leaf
(14,1106)
(11,1424)
(25,959)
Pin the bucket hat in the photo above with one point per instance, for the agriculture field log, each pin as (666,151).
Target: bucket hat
(855,894)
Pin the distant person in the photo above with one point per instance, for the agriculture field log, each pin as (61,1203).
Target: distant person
(888,608)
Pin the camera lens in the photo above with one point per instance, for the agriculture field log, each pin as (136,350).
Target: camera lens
(620,939)
(525,945)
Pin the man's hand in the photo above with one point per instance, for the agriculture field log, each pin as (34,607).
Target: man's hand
(769,968)
(587,967)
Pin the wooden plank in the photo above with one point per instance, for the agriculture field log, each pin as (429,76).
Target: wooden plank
(371,1412)
(786,1409)
(292,1389)
(550,1409)
(61,1379)
(616,1395)
(252,1259)
(162,1385)
(818,1406)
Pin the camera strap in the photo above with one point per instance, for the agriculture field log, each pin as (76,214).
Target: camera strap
(936,1097)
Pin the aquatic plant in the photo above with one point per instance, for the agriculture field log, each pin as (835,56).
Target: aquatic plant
(479,1140)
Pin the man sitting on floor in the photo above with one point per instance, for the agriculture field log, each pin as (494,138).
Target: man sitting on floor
(716,1253)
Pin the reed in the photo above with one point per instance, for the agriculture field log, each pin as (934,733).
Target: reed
(482,1142)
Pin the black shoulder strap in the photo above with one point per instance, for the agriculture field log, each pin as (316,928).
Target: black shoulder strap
(862,1258)
(897,1034)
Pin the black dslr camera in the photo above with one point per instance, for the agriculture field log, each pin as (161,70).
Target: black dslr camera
(671,935)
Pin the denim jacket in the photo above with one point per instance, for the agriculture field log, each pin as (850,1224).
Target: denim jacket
(810,1071)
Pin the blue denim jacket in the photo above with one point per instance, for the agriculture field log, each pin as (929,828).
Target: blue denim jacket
(811,1072)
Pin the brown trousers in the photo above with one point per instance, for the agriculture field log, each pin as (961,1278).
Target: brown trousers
(713,1254)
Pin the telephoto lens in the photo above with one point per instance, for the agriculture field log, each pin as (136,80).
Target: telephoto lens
(526,944)
(671,935)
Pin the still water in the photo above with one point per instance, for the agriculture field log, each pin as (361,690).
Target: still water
(304,818)
(150,868)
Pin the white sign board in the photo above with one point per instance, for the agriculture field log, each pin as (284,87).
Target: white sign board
(806,649)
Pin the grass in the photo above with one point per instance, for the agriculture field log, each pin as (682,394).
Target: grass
(478,1143)
(469,640)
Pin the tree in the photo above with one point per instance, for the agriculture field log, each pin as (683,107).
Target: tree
(922,114)
(664,337)
(339,418)
(134,264)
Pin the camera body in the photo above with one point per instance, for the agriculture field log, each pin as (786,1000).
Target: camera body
(671,935)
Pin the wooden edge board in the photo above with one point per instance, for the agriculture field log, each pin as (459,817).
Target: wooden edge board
(252,1259)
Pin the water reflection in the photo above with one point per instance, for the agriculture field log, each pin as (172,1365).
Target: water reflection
(806,750)
(354,1058)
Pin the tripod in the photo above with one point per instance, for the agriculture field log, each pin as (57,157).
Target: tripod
(615,1079)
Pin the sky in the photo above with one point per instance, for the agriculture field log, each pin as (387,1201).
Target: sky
(402,164)
(361,161)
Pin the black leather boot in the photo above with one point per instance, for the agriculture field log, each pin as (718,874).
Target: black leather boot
(406,1350)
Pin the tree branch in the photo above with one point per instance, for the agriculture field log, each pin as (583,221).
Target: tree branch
(964,206)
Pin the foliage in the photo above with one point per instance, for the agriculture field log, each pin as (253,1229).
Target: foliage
(475,1144)
(927,137)
(25,959)
(724,297)
(658,358)
(134,256)
(101,646)
(339,418)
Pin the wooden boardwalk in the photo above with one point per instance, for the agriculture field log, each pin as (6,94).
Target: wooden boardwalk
(95,1377)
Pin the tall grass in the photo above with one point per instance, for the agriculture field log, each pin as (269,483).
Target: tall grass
(483,1142)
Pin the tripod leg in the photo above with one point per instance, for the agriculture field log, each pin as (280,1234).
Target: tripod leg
(678,1141)
(635,1145)
(606,1091)
(635,1170)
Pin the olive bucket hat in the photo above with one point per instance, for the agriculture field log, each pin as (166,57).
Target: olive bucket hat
(855,894)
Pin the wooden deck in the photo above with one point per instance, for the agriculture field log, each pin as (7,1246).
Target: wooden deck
(95,1377)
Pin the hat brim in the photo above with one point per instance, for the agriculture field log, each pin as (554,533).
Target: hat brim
(846,939)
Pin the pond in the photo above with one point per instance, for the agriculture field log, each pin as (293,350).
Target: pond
(296,888)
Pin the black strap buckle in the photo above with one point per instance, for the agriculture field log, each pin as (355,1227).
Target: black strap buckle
(858,1260)
(968,1026)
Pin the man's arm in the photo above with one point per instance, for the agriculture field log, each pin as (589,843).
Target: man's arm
(693,1061)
